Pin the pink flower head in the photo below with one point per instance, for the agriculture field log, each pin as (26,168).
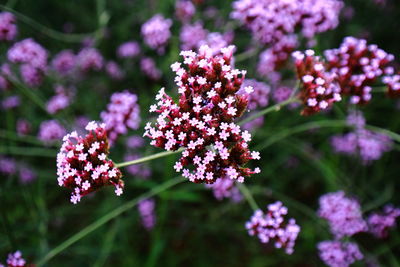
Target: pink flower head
(15,260)
(259,97)
(339,254)
(202,121)
(380,223)
(129,49)
(64,62)
(272,226)
(342,213)
(184,10)
(357,66)
(90,59)
(83,165)
(156,32)
(122,113)
(225,188)
(8,28)
(51,131)
(28,52)
(319,90)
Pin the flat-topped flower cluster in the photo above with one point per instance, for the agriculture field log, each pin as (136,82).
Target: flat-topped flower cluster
(272,226)
(83,164)
(202,121)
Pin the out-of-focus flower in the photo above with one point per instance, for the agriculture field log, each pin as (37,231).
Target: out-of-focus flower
(203,120)
(137,170)
(253,124)
(192,35)
(122,113)
(357,66)
(272,226)
(60,100)
(114,71)
(8,166)
(10,102)
(271,20)
(129,49)
(90,59)
(146,209)
(339,254)
(31,75)
(156,32)
(51,131)
(28,52)
(381,222)
(225,188)
(134,141)
(64,62)
(23,127)
(83,165)
(26,174)
(319,89)
(342,213)
(15,260)
(8,28)
(184,10)
(260,95)
(393,84)
(149,68)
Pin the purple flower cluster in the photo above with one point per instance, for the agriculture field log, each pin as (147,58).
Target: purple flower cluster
(357,66)
(271,20)
(15,260)
(156,32)
(10,102)
(225,188)
(368,145)
(272,226)
(380,222)
(83,165)
(342,213)
(7,166)
(33,60)
(202,121)
(23,127)
(114,71)
(8,28)
(146,210)
(122,113)
(339,254)
(64,62)
(51,131)
(59,101)
(89,59)
(149,68)
(129,49)
(184,10)
(134,143)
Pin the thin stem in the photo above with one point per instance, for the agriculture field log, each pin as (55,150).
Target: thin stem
(247,54)
(248,196)
(71,38)
(275,107)
(28,151)
(148,158)
(108,217)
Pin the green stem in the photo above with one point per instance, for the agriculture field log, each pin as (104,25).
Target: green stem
(71,38)
(275,107)
(28,151)
(248,196)
(108,217)
(148,158)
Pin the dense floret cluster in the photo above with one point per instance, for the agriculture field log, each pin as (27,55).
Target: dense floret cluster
(339,254)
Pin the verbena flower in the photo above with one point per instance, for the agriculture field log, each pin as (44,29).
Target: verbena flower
(156,32)
(83,165)
(339,254)
(225,188)
(10,102)
(184,10)
(318,88)
(393,83)
(15,260)
(90,59)
(134,143)
(272,226)
(271,20)
(342,213)
(259,98)
(122,113)
(146,209)
(358,66)
(8,166)
(26,174)
(60,100)
(380,223)
(51,131)
(8,28)
(202,121)
(23,127)
(149,68)
(114,70)
(129,49)
(64,62)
